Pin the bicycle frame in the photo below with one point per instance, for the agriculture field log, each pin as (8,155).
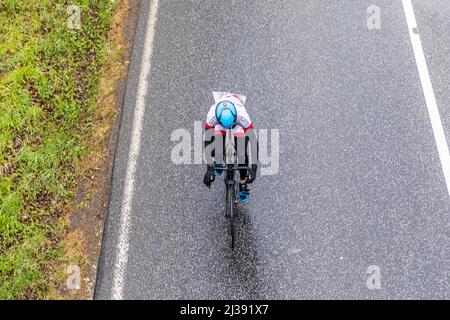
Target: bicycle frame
(230,183)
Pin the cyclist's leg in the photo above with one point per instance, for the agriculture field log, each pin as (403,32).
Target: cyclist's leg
(220,159)
(244,192)
(214,144)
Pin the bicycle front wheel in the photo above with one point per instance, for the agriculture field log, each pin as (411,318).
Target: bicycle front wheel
(231,215)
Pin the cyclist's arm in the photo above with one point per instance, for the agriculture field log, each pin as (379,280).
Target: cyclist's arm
(243,119)
(246,123)
(211,120)
(209,137)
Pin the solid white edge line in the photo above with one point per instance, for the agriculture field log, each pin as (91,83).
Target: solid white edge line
(433,111)
(121,259)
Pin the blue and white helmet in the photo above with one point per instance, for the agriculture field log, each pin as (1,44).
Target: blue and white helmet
(226,113)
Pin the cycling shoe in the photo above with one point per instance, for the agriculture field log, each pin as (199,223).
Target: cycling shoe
(244,193)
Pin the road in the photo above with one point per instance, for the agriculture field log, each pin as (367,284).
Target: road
(360,185)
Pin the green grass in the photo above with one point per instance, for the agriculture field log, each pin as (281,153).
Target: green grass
(48,78)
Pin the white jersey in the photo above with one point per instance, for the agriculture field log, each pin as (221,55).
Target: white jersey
(243,122)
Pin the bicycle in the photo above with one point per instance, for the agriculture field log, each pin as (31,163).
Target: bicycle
(231,193)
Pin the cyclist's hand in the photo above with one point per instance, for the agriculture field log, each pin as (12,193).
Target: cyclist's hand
(209,177)
(251,174)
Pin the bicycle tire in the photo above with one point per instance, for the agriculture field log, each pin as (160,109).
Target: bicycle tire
(232,231)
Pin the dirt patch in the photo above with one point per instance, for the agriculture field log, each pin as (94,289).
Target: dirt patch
(83,240)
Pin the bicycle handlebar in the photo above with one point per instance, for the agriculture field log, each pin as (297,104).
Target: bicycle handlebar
(226,168)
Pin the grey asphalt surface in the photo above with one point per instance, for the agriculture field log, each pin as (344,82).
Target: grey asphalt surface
(360,182)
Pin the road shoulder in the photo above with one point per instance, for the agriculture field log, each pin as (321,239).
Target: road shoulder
(94,171)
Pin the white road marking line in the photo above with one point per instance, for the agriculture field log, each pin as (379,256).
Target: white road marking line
(433,111)
(133,155)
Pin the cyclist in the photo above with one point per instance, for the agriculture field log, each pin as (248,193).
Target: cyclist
(228,112)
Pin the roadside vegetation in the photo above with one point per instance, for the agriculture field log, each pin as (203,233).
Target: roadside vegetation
(49,82)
